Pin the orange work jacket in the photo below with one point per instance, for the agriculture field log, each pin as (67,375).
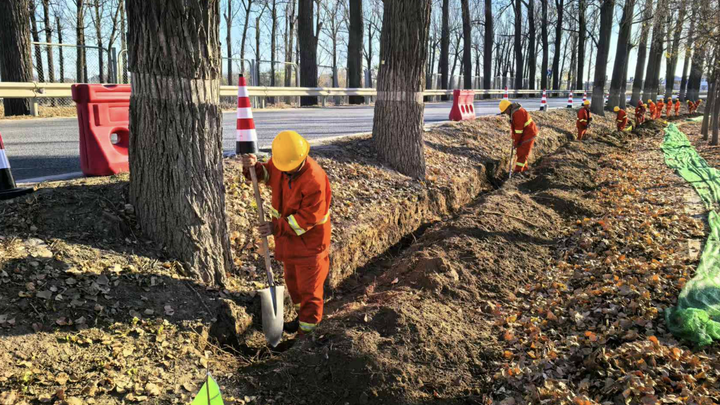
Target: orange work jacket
(522,126)
(583,118)
(622,120)
(300,211)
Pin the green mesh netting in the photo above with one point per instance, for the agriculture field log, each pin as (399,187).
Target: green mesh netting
(697,314)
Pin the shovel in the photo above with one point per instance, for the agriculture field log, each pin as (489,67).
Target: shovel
(271,298)
(512,152)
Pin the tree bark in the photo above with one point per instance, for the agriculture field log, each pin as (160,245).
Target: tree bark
(656,52)
(444,47)
(606,20)
(623,88)
(48,38)
(711,100)
(642,54)
(290,18)
(688,51)
(80,65)
(532,57)
(467,45)
(307,39)
(273,44)
(15,60)
(582,27)
(246,24)
(715,116)
(36,38)
(488,46)
(228,42)
(176,168)
(398,121)
(98,34)
(558,37)
(61,56)
(355,50)
(671,65)
(518,45)
(123,42)
(623,45)
(545,45)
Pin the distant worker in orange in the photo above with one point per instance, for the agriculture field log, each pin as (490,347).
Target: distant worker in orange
(659,109)
(523,132)
(668,108)
(697,104)
(639,113)
(691,106)
(677,107)
(622,119)
(583,119)
(300,214)
(652,109)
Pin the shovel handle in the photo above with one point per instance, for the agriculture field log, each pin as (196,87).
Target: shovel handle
(512,152)
(261,217)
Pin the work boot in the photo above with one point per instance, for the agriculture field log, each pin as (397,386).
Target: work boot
(292,326)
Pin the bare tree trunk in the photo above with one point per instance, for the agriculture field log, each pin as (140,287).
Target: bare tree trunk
(711,100)
(518,45)
(123,42)
(582,28)
(696,71)
(672,62)
(273,44)
(532,57)
(656,50)
(638,79)
(716,116)
(623,88)
(61,59)
(623,46)
(445,47)
(15,60)
(355,49)
(688,50)
(80,65)
(369,54)
(36,38)
(558,37)
(456,56)
(307,39)
(98,33)
(606,20)
(398,122)
(467,44)
(176,168)
(290,18)
(545,45)
(228,42)
(488,46)
(48,38)
(247,7)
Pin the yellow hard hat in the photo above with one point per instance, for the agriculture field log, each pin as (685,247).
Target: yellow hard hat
(649,101)
(504,104)
(616,109)
(586,102)
(289,150)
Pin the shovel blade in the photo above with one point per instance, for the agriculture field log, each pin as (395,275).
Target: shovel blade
(271,303)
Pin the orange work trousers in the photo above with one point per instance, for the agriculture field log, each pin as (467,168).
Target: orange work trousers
(523,154)
(305,285)
(582,129)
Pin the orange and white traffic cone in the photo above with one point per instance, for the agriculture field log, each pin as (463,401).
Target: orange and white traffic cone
(584,96)
(246,137)
(543,102)
(570,101)
(506,96)
(8,188)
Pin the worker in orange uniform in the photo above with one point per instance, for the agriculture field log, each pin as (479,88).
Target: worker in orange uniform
(659,108)
(677,107)
(523,132)
(668,108)
(652,109)
(639,113)
(583,119)
(622,119)
(300,223)
(697,104)
(691,107)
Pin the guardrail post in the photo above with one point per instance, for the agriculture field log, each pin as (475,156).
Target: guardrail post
(34,109)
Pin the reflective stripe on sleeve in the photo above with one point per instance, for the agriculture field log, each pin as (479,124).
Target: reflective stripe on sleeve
(582,120)
(519,164)
(294,225)
(518,131)
(528,122)
(274,213)
(307,327)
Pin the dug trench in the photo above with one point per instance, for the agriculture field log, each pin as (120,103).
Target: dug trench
(418,324)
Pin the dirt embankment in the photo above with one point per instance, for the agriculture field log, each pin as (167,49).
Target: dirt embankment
(89,309)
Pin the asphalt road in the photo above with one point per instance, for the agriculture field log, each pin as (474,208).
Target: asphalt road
(49,147)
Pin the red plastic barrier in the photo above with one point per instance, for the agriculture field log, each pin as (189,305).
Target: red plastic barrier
(103,110)
(463,108)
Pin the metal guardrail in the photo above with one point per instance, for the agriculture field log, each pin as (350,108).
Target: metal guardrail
(37,90)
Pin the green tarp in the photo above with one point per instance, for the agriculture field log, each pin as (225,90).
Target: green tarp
(697,314)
